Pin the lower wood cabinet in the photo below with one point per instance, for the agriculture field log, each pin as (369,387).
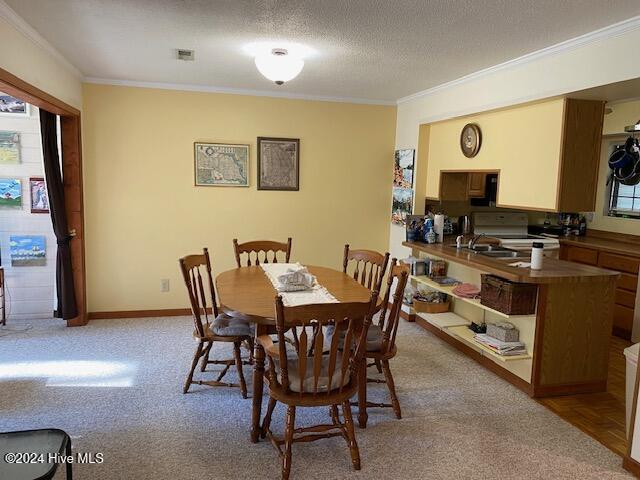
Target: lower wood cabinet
(626,291)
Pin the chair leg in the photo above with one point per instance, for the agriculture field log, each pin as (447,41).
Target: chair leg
(194,363)
(68,465)
(266,423)
(335,417)
(205,357)
(238,358)
(250,342)
(351,435)
(392,388)
(288,442)
(378,366)
(363,416)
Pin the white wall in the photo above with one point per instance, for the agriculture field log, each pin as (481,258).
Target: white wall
(30,290)
(594,60)
(25,54)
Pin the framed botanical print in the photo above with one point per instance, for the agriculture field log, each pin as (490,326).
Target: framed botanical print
(39,196)
(278,163)
(221,164)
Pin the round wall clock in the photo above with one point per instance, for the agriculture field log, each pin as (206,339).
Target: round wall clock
(470,140)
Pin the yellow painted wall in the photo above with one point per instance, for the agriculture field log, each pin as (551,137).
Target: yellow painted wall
(623,114)
(143,212)
(522,142)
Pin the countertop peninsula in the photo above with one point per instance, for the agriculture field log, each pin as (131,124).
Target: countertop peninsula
(553,271)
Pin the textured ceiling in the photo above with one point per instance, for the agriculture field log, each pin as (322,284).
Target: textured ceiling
(368,49)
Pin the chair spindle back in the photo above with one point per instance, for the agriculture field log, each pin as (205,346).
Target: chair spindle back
(261,248)
(390,316)
(351,318)
(191,266)
(369,266)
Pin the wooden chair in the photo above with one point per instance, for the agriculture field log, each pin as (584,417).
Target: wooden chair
(222,328)
(381,336)
(370,266)
(264,246)
(301,375)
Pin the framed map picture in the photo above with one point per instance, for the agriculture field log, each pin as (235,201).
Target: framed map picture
(9,148)
(278,163)
(10,192)
(39,196)
(221,165)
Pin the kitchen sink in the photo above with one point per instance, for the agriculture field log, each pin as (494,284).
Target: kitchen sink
(493,251)
(506,253)
(481,248)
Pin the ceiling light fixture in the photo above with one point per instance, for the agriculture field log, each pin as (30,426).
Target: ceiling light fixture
(278,66)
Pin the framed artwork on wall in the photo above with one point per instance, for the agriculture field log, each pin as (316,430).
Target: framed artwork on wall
(221,165)
(403,168)
(28,250)
(278,163)
(9,148)
(39,196)
(10,193)
(12,106)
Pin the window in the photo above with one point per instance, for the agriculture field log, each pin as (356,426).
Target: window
(625,200)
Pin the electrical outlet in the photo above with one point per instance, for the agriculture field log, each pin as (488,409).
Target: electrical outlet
(589,216)
(164,285)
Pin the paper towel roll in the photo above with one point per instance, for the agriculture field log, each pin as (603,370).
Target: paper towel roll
(438,226)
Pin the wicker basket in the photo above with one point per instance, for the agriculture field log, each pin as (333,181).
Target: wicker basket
(430,307)
(508,297)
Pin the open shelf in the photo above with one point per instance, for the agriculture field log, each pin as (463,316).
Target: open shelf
(473,301)
(444,320)
(466,336)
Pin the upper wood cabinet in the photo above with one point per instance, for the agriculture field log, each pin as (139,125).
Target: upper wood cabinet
(546,155)
(476,184)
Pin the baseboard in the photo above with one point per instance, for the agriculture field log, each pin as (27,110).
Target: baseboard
(404,315)
(621,332)
(595,386)
(630,465)
(169,312)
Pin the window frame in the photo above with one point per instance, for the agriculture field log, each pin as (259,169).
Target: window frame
(612,193)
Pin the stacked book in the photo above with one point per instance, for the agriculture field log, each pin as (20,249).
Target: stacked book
(500,347)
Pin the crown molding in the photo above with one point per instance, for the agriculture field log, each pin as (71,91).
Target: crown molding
(235,91)
(610,31)
(17,22)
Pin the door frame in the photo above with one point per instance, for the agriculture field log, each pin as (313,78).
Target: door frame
(71,142)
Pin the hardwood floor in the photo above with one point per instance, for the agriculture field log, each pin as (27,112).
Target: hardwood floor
(601,415)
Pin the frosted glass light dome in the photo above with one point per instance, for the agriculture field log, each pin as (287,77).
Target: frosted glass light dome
(278,66)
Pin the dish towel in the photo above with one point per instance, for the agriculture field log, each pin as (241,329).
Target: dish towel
(314,293)
(294,279)
(467,290)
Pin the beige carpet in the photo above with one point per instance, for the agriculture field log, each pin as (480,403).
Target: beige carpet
(116,385)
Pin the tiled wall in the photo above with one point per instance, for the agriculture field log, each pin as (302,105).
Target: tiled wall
(30,290)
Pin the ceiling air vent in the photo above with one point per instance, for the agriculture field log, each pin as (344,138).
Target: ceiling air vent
(184,54)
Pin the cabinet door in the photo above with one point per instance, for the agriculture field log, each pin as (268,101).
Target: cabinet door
(582,255)
(477,184)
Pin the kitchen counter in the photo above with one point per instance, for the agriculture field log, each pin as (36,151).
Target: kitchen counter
(629,245)
(566,338)
(553,271)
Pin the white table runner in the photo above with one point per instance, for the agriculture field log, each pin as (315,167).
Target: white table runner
(316,294)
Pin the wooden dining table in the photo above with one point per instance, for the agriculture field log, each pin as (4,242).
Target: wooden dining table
(247,292)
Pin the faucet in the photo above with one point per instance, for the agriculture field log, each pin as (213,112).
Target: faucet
(474,240)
